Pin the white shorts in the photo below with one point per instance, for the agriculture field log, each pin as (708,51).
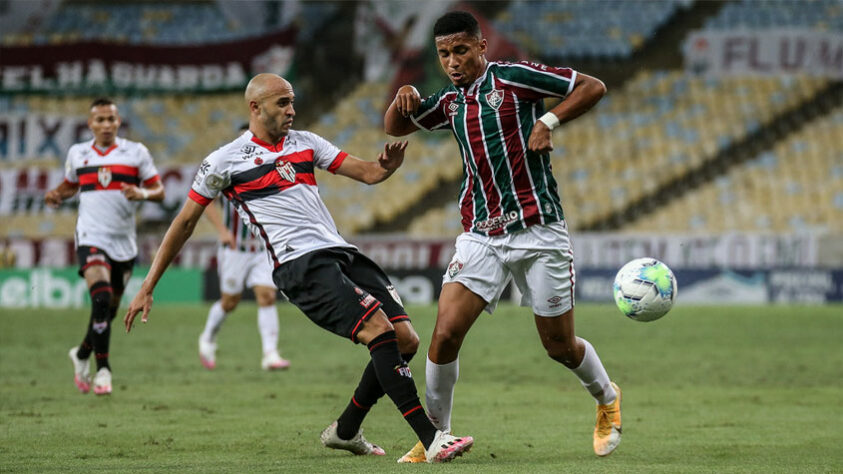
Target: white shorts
(243,269)
(539,259)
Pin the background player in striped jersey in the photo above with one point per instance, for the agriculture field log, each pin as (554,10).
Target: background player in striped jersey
(113,175)
(268,172)
(512,217)
(241,262)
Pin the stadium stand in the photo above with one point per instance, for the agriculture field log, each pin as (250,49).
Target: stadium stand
(820,15)
(583,28)
(795,187)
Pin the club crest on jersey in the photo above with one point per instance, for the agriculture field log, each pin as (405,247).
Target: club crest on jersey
(104,176)
(495,98)
(286,170)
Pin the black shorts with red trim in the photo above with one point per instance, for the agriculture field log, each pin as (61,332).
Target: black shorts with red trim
(338,289)
(119,271)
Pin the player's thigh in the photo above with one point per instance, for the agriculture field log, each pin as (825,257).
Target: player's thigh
(477,267)
(371,277)
(121,272)
(546,279)
(259,279)
(318,285)
(94,264)
(232,267)
(557,333)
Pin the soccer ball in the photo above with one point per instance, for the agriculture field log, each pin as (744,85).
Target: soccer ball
(645,289)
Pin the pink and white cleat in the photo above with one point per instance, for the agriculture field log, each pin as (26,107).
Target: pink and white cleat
(207,353)
(273,361)
(102,382)
(446,447)
(81,371)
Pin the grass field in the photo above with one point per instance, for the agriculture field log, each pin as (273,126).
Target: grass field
(724,389)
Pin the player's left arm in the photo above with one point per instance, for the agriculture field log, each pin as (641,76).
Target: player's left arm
(586,93)
(373,172)
(180,230)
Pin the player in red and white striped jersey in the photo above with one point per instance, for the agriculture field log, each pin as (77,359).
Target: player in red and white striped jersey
(511,211)
(268,173)
(113,176)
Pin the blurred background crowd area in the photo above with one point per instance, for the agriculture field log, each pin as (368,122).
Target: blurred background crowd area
(720,117)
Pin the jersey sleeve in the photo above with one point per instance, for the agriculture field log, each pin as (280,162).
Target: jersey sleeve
(211,178)
(70,174)
(431,114)
(147,172)
(326,155)
(534,81)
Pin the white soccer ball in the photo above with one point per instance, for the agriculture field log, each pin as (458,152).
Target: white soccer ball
(645,289)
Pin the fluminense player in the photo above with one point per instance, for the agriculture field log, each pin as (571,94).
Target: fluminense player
(512,216)
(268,173)
(241,262)
(113,175)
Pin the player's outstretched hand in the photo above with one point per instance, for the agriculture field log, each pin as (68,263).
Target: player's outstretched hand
(407,100)
(392,156)
(540,141)
(141,303)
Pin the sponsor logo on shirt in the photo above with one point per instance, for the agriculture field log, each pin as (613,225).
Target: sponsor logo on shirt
(495,98)
(497,222)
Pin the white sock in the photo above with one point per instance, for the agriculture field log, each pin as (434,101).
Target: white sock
(216,316)
(268,327)
(439,393)
(593,376)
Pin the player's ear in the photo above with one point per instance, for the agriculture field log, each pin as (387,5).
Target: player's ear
(482,46)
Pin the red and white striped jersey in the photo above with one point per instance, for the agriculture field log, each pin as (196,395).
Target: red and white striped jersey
(106,218)
(275,191)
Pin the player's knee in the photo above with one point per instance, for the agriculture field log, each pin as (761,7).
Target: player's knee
(101,295)
(566,354)
(409,343)
(228,304)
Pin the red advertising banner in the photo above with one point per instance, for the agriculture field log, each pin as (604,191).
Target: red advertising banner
(91,66)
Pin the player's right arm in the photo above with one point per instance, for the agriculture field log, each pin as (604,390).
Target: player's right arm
(213,214)
(396,121)
(65,190)
(180,230)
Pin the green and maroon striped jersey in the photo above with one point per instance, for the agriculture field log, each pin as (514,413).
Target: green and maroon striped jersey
(244,240)
(505,187)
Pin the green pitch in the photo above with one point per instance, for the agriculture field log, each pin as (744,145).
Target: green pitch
(724,389)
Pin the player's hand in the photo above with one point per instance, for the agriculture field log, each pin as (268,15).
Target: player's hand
(141,303)
(53,198)
(407,100)
(392,155)
(227,239)
(132,192)
(540,141)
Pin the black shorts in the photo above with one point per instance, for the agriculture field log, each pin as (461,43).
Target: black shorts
(339,289)
(120,271)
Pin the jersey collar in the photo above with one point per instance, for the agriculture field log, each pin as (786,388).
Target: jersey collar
(273,148)
(475,86)
(107,151)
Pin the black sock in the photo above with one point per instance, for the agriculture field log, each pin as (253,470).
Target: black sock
(101,321)
(368,392)
(87,345)
(397,381)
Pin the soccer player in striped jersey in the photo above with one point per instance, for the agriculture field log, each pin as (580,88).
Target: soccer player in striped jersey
(113,176)
(241,262)
(268,173)
(514,227)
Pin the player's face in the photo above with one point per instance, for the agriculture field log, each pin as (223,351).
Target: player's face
(461,56)
(104,122)
(276,112)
